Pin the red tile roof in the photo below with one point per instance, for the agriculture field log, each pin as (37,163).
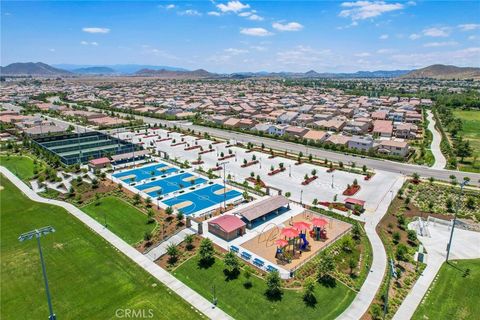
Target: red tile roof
(228,223)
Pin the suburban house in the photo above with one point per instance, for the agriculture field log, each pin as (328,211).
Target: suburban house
(361,143)
(383,128)
(393,147)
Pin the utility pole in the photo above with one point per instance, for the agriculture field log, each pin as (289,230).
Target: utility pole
(37,233)
(449,245)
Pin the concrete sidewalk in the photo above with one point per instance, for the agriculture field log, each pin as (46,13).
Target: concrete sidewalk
(161,249)
(440,161)
(196,300)
(369,289)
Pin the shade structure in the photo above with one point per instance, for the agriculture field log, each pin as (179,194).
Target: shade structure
(301,225)
(319,222)
(290,232)
(281,242)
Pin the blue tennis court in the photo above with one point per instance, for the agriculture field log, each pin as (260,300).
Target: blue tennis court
(170,184)
(200,199)
(136,175)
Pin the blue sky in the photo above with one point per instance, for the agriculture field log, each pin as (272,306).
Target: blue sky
(228,36)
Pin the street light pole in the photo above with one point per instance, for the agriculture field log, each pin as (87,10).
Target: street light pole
(224,186)
(332,180)
(301,196)
(449,245)
(37,233)
(391,272)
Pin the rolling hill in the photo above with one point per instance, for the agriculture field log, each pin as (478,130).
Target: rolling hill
(441,71)
(32,68)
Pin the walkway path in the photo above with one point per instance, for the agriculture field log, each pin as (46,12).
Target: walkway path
(374,279)
(440,161)
(196,300)
(156,252)
(464,246)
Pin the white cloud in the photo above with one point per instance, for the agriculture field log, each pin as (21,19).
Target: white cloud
(436,32)
(255,17)
(96,30)
(469,26)
(51,50)
(245,14)
(86,43)
(440,44)
(304,56)
(259,48)
(190,12)
(383,37)
(232,6)
(362,54)
(170,6)
(214,13)
(235,52)
(291,26)
(472,37)
(384,51)
(360,10)
(414,36)
(256,32)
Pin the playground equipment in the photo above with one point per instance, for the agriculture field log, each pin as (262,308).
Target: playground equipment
(304,245)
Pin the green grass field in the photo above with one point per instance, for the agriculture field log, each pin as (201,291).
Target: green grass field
(471,131)
(88,278)
(471,127)
(123,219)
(242,303)
(21,166)
(453,296)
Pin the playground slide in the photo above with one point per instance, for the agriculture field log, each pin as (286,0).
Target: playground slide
(305,242)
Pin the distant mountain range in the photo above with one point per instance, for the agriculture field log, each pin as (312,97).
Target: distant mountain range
(441,71)
(41,69)
(169,74)
(117,68)
(32,68)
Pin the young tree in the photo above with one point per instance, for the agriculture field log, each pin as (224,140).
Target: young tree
(274,289)
(352,265)
(189,241)
(136,198)
(172,252)
(206,252)
(416,177)
(412,236)
(308,292)
(148,201)
(247,273)
(151,216)
(169,211)
(180,216)
(325,267)
(314,172)
(232,264)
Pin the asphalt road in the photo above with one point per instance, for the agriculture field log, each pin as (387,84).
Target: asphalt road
(379,164)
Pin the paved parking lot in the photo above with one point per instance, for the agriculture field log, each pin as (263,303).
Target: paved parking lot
(324,188)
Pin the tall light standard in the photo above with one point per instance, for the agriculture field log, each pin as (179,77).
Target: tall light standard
(290,170)
(37,233)
(224,186)
(301,196)
(332,180)
(449,245)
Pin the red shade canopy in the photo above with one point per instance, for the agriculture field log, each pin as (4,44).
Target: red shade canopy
(281,242)
(290,232)
(301,225)
(319,222)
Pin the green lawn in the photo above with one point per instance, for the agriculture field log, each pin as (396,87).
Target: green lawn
(471,131)
(21,166)
(471,127)
(88,278)
(242,303)
(453,295)
(123,219)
